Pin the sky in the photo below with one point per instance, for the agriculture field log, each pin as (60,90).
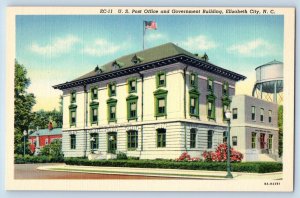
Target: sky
(59,48)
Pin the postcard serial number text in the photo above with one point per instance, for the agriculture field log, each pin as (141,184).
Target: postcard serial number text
(272,183)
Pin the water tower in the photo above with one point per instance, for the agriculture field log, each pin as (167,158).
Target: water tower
(269,82)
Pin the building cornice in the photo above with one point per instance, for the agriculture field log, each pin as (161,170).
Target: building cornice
(206,66)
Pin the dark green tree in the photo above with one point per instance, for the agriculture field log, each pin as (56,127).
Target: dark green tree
(23,102)
(54,149)
(280,132)
(42,119)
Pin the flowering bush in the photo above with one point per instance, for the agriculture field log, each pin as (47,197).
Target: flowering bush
(186,157)
(220,155)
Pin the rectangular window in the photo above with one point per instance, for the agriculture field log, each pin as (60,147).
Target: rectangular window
(193,109)
(161,106)
(261,114)
(73,141)
(210,85)
(112,112)
(161,79)
(132,85)
(94,93)
(73,116)
(270,141)
(133,110)
(94,140)
(253,113)
(234,140)
(161,138)
(193,136)
(234,113)
(112,89)
(270,116)
(94,113)
(209,111)
(193,80)
(46,141)
(160,101)
(132,139)
(253,140)
(73,96)
(210,139)
(225,89)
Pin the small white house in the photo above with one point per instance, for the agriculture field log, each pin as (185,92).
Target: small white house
(156,103)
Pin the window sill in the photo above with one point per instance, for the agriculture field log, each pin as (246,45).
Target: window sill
(211,119)
(159,86)
(160,115)
(133,118)
(194,115)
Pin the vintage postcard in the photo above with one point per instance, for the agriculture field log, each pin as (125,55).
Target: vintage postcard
(150,98)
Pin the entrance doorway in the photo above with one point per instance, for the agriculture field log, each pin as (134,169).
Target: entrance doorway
(112,142)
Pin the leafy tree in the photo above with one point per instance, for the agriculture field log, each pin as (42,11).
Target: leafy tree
(42,118)
(280,132)
(23,102)
(54,149)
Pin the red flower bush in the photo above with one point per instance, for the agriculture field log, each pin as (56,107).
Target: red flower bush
(186,157)
(220,155)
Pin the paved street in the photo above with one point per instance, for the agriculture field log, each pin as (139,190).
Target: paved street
(62,171)
(29,171)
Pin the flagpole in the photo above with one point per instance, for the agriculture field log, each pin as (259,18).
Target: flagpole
(144,31)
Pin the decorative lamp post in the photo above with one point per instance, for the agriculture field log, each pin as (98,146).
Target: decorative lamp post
(24,136)
(228,117)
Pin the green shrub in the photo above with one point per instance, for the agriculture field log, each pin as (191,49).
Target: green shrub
(54,149)
(133,158)
(20,159)
(122,156)
(251,167)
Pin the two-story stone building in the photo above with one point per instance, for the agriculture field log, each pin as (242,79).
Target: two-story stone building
(155,103)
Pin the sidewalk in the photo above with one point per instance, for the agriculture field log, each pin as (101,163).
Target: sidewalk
(176,173)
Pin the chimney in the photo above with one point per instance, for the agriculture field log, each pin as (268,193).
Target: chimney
(50,127)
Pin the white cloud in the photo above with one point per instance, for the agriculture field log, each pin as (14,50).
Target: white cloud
(155,36)
(102,47)
(254,48)
(200,42)
(58,46)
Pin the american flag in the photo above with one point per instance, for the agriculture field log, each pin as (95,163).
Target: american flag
(150,25)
